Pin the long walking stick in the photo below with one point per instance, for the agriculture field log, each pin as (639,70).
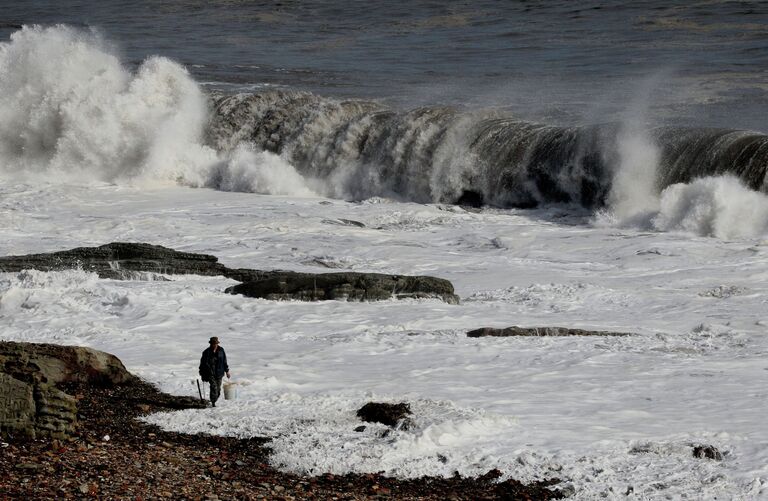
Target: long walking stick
(199,391)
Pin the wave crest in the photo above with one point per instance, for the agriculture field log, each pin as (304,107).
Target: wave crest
(70,110)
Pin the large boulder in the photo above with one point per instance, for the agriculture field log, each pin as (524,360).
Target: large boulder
(347,286)
(54,364)
(30,403)
(538,331)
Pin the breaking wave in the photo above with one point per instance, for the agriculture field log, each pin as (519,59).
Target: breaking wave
(441,154)
(70,110)
(68,107)
(710,182)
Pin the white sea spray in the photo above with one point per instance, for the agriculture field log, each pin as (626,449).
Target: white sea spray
(70,110)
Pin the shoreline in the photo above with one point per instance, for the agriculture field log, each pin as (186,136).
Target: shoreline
(113,455)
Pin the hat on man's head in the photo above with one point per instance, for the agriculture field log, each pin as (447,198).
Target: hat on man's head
(213,340)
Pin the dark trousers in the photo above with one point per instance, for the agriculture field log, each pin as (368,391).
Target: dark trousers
(215,389)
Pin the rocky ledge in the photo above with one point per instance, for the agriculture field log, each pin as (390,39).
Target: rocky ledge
(109,454)
(538,331)
(122,260)
(30,376)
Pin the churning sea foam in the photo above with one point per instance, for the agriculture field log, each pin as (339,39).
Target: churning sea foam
(70,110)
(713,206)
(633,197)
(250,170)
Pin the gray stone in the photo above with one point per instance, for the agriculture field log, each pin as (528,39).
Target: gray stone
(344,222)
(35,409)
(56,412)
(17,406)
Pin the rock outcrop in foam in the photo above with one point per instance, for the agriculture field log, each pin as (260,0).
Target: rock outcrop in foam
(345,286)
(122,260)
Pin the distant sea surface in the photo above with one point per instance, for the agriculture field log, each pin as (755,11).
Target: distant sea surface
(695,63)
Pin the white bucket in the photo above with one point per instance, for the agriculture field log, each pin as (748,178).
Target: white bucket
(230,391)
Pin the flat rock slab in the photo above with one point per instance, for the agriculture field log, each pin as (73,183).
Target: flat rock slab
(347,286)
(123,260)
(538,331)
(120,260)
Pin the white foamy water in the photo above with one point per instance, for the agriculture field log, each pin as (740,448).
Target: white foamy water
(605,414)
(69,110)
(720,207)
(713,206)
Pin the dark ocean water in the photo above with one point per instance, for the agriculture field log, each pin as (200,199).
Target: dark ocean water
(694,63)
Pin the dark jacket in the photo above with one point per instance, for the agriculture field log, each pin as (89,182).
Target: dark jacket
(213,364)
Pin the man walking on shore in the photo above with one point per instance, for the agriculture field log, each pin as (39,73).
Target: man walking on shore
(213,366)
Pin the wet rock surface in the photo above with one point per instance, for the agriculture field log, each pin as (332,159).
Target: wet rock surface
(347,286)
(538,331)
(707,452)
(111,455)
(122,260)
(384,413)
(118,260)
